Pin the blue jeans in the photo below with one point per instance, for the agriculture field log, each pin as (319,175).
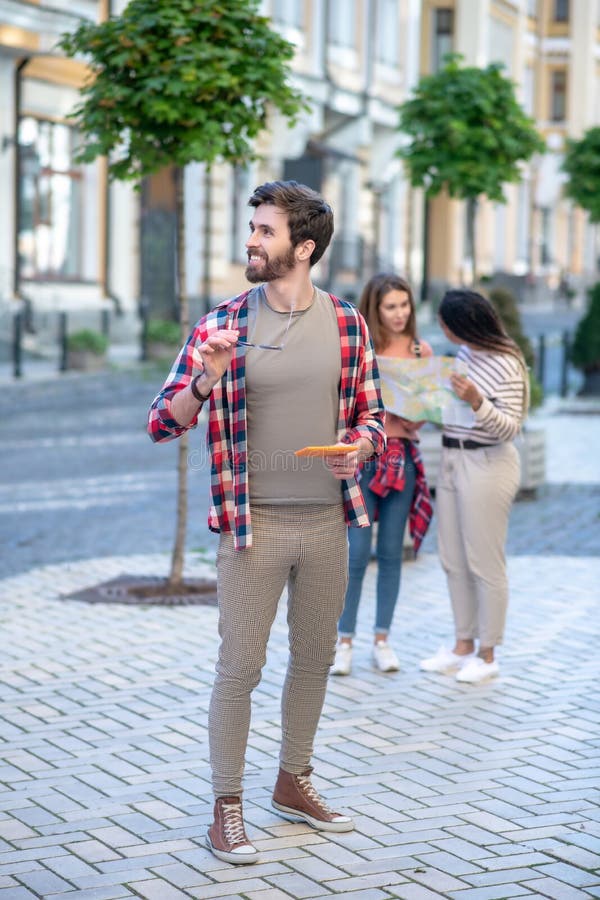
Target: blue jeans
(392,512)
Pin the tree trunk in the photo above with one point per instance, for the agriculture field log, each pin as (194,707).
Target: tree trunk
(177,558)
(471,218)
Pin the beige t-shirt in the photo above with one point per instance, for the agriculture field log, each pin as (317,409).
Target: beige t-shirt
(292,398)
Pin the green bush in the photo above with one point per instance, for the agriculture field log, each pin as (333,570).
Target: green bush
(585,350)
(536,392)
(88,340)
(507,308)
(163,331)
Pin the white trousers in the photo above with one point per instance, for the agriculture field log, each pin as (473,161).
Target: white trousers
(474,495)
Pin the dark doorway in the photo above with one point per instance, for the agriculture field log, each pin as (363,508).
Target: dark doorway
(158,245)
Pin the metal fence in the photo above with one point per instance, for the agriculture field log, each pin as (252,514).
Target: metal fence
(28,334)
(47,331)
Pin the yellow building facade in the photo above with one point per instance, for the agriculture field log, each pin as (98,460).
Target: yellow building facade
(357,60)
(550,50)
(69,241)
(69,238)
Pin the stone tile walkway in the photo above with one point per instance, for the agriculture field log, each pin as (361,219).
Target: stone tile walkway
(463,792)
(468,793)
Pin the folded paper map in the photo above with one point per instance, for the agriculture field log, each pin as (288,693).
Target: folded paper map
(326,450)
(419,389)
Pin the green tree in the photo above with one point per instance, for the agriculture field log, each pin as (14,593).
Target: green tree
(175,83)
(467,135)
(507,308)
(582,165)
(585,351)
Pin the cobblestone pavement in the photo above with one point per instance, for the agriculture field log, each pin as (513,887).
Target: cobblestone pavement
(469,793)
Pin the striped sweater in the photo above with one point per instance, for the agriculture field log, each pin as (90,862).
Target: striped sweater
(500,379)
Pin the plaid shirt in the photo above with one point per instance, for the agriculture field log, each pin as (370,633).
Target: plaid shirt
(361,413)
(390,475)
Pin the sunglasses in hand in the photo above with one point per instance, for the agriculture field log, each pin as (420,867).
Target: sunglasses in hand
(244,343)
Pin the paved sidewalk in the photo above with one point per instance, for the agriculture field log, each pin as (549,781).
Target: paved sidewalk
(469,793)
(460,792)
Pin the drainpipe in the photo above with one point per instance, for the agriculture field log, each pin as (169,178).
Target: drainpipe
(425,269)
(370,25)
(107,216)
(17,178)
(207,256)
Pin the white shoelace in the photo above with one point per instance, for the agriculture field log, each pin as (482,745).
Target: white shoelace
(233,824)
(310,790)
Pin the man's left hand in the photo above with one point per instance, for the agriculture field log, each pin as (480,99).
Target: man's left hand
(344,465)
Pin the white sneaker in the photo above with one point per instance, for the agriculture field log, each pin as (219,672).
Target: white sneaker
(342,664)
(384,657)
(477,670)
(445,661)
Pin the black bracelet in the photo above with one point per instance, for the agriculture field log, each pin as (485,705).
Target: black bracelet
(199,397)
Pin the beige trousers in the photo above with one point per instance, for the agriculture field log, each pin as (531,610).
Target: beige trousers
(474,494)
(305,546)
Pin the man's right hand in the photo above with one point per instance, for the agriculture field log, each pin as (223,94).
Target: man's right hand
(215,354)
(213,358)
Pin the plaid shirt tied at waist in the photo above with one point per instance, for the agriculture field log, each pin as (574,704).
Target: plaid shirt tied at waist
(390,476)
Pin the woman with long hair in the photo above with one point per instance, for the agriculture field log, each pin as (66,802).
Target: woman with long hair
(393,485)
(477,483)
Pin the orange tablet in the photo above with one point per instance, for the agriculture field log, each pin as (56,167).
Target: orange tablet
(326,450)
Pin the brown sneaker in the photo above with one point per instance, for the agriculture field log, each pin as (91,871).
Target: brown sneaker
(226,837)
(296,797)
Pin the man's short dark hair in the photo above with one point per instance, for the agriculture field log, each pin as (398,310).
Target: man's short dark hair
(309,216)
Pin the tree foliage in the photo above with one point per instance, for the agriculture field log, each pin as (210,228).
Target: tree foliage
(174,83)
(507,308)
(585,351)
(467,132)
(582,165)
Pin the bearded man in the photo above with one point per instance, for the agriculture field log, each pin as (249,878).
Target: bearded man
(283,365)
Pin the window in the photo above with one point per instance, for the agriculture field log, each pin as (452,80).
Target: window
(51,210)
(288,12)
(501,44)
(387,26)
(342,22)
(547,232)
(443,24)
(524,225)
(532,8)
(500,235)
(558,98)
(528,90)
(561,10)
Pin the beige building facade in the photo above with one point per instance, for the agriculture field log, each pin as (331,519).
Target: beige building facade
(357,60)
(551,50)
(70,239)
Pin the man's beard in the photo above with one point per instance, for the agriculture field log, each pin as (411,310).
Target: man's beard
(272,269)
